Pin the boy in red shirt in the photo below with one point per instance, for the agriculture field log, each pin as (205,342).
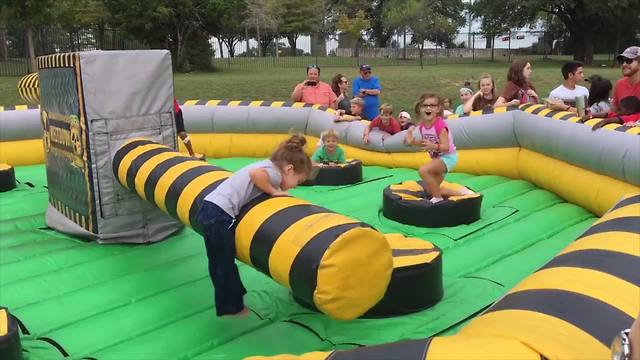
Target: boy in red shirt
(384,122)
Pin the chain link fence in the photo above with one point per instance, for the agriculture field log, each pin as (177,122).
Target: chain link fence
(14,47)
(334,50)
(275,51)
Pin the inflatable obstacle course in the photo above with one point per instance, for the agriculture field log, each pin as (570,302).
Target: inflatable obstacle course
(150,292)
(332,263)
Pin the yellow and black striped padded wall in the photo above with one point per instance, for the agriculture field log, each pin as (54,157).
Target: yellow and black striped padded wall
(553,310)
(304,247)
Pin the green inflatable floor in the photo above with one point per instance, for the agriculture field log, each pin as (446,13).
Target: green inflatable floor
(155,301)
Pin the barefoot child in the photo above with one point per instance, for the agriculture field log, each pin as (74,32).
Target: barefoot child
(437,141)
(329,153)
(288,167)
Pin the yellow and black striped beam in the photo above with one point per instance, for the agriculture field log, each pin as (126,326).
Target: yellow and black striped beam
(29,88)
(306,248)
(575,305)
(256,103)
(57,61)
(173,182)
(541,110)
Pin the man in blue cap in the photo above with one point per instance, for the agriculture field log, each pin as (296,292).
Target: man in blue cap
(367,87)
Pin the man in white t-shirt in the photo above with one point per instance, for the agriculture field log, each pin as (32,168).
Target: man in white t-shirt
(564,96)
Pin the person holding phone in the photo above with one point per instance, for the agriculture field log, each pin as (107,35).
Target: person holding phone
(314,91)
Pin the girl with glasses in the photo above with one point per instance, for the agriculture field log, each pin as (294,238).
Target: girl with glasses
(436,139)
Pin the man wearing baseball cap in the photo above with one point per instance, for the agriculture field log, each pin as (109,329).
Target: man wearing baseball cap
(367,87)
(629,85)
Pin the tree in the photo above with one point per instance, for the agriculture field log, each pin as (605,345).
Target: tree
(354,26)
(221,20)
(261,16)
(29,14)
(436,21)
(585,21)
(166,24)
(379,33)
(298,17)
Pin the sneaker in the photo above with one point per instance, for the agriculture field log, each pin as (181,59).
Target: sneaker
(436,199)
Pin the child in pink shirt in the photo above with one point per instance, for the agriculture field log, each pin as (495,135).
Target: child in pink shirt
(438,142)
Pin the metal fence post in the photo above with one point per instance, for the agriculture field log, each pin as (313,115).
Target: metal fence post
(509,50)
(473,49)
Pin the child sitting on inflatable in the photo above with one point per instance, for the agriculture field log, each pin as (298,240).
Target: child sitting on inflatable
(329,153)
(384,122)
(438,142)
(357,106)
(287,168)
(628,114)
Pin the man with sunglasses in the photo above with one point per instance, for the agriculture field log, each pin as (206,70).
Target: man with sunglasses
(367,87)
(629,85)
(314,91)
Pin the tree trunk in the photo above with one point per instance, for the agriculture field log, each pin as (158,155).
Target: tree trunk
(489,42)
(220,43)
(421,49)
(246,36)
(404,43)
(292,44)
(260,52)
(4,54)
(30,49)
(582,46)
(230,43)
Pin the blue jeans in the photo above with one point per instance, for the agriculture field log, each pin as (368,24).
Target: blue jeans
(219,239)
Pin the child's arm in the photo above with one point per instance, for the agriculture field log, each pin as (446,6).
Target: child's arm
(408,137)
(367,130)
(468,106)
(443,147)
(260,178)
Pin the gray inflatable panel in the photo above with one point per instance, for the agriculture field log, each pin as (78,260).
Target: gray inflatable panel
(608,152)
(20,125)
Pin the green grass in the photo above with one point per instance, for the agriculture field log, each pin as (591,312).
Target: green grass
(401,85)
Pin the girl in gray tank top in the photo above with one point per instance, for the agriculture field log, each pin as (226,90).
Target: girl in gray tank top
(288,167)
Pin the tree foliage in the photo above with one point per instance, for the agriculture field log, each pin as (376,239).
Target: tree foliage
(586,22)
